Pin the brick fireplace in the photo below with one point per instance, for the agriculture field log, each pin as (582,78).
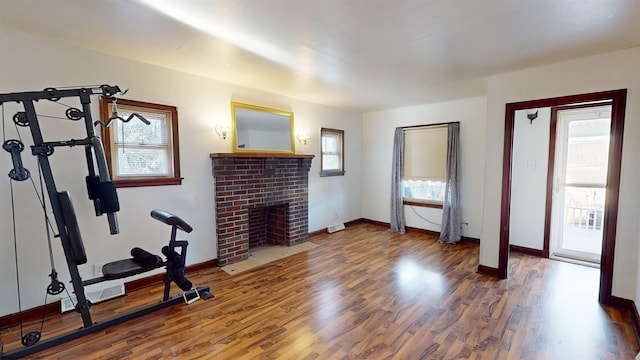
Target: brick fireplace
(260,199)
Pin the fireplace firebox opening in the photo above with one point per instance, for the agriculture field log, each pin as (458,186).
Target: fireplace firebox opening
(268,225)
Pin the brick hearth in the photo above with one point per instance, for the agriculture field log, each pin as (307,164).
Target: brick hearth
(274,188)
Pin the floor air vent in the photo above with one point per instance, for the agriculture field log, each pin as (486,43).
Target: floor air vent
(333,228)
(95,296)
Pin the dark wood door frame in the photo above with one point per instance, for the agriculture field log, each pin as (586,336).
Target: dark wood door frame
(551,168)
(618,102)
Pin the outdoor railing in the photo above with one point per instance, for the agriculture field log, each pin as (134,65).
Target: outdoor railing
(584,218)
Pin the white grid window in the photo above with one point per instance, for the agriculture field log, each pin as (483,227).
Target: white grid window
(332,152)
(140,149)
(139,154)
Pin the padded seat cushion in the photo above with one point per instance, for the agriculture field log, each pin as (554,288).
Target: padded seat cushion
(127,267)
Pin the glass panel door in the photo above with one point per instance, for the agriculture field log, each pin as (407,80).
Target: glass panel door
(580,175)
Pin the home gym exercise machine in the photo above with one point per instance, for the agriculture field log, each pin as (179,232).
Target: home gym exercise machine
(102,191)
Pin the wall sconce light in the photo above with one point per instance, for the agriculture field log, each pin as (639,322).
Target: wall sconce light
(222,131)
(302,138)
(531,115)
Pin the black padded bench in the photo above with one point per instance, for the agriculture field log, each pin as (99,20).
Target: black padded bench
(141,261)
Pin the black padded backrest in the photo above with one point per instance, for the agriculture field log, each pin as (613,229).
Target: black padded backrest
(104,193)
(171,219)
(92,184)
(73,230)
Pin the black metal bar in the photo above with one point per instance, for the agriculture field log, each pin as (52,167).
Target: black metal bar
(103,173)
(85,100)
(47,146)
(94,281)
(88,150)
(167,286)
(45,344)
(52,191)
(174,233)
(56,94)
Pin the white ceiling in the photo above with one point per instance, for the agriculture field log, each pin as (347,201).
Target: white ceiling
(353,54)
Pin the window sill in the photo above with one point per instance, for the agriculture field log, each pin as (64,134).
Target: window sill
(331,173)
(423,203)
(139,182)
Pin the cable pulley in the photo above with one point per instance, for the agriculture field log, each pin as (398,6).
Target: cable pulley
(74,114)
(56,287)
(108,90)
(20,119)
(31,338)
(51,92)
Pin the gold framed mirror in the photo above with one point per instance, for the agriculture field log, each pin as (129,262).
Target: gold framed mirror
(261,129)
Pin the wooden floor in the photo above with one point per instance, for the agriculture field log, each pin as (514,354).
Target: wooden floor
(366,293)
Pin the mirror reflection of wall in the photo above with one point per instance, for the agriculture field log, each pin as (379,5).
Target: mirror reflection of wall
(260,129)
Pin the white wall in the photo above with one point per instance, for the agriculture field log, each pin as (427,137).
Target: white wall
(529,179)
(29,63)
(377,146)
(609,71)
(332,199)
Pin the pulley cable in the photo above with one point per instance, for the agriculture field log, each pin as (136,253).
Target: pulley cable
(4,131)
(15,235)
(72,113)
(57,100)
(56,287)
(15,254)
(41,200)
(35,189)
(95,86)
(4,137)
(3,140)
(32,337)
(56,117)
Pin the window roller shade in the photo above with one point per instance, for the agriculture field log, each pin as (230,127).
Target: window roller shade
(425,154)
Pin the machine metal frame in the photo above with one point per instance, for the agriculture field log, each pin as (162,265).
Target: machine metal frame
(68,231)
